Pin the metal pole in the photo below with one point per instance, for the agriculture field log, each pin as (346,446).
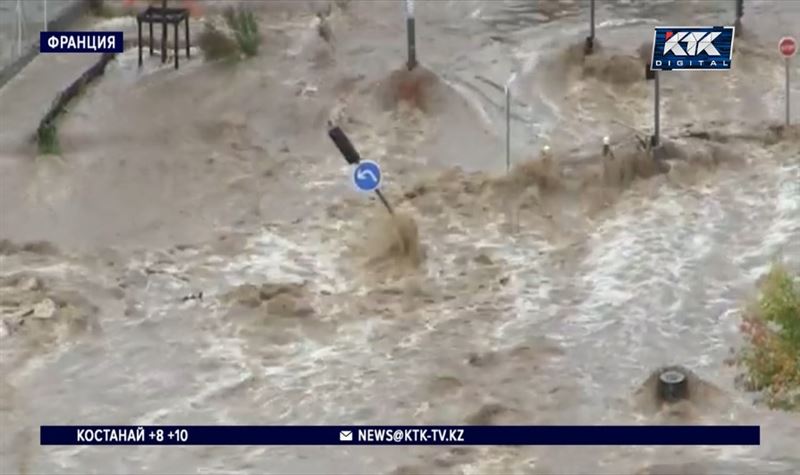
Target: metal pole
(45,15)
(788,92)
(19,27)
(411,32)
(589,45)
(139,28)
(188,54)
(739,13)
(176,45)
(508,120)
(657,122)
(508,129)
(384,201)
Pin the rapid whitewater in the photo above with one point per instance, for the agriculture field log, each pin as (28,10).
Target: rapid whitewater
(546,295)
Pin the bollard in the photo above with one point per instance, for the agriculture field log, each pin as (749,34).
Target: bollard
(673,386)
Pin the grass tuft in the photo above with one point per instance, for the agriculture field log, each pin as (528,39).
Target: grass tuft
(216,45)
(47,139)
(245,29)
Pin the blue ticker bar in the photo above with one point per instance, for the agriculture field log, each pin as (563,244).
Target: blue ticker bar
(400,435)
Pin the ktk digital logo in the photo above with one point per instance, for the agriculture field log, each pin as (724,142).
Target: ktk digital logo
(692,48)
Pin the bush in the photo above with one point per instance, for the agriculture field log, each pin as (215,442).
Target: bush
(245,39)
(216,44)
(245,28)
(772,328)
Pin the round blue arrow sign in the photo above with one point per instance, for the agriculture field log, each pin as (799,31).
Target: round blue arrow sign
(367,176)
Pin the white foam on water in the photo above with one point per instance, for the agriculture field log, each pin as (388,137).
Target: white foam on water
(272,257)
(778,200)
(474,103)
(638,259)
(620,22)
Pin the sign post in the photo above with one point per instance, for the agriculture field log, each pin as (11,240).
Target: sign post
(366,174)
(657,110)
(508,120)
(411,41)
(788,47)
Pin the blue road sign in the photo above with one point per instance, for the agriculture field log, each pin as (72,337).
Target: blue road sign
(367,176)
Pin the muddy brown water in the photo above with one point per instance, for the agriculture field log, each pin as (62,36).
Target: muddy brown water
(547,297)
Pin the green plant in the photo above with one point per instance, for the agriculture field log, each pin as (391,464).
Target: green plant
(217,45)
(772,328)
(245,28)
(47,139)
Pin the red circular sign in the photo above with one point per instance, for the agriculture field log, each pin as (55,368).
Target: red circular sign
(788,46)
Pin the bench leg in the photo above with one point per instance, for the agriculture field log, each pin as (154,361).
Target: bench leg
(139,25)
(188,54)
(176,45)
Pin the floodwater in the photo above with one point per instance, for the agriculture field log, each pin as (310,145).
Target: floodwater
(522,300)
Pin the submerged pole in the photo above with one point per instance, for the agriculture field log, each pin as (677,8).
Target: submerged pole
(657,110)
(590,38)
(788,92)
(739,13)
(411,36)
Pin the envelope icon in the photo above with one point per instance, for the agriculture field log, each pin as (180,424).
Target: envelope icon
(345,435)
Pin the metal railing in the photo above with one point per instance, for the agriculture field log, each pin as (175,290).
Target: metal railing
(22,20)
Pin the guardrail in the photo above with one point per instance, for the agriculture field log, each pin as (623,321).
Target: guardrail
(27,46)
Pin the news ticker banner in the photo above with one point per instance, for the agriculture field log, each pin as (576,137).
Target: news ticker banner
(81,42)
(400,435)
